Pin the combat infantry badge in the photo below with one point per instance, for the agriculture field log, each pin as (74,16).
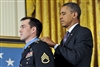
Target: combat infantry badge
(45,58)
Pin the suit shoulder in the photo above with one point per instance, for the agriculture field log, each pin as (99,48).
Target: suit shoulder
(84,29)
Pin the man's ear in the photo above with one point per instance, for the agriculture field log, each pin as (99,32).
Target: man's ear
(75,14)
(33,29)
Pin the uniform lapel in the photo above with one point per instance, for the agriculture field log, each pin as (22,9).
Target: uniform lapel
(25,53)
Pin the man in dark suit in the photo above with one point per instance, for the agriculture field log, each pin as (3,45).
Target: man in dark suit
(36,52)
(76,51)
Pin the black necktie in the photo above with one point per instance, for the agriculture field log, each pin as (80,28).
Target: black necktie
(65,37)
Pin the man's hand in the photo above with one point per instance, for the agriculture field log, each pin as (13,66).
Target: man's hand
(48,41)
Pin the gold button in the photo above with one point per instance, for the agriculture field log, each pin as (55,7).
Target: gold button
(21,65)
(26,62)
(54,57)
(28,46)
(30,49)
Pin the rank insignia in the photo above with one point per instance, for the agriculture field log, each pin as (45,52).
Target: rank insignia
(45,58)
(29,54)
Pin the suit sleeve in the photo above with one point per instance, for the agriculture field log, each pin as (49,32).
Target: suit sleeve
(79,46)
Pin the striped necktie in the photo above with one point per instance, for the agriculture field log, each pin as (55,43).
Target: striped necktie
(65,37)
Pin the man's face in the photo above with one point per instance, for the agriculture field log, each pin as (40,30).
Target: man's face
(66,17)
(25,30)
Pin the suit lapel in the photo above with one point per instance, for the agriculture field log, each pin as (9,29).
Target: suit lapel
(72,33)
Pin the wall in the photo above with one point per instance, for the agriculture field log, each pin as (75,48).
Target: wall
(11,11)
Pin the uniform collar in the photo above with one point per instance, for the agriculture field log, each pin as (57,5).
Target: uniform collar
(30,42)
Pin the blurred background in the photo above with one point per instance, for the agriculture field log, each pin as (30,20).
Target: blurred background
(47,11)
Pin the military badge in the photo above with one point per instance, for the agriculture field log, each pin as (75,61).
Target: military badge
(37,41)
(45,58)
(29,54)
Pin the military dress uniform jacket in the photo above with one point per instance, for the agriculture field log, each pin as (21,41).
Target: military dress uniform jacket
(37,54)
(77,50)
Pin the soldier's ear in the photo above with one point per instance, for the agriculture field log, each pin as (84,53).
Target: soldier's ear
(33,29)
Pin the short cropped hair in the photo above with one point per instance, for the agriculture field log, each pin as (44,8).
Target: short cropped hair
(74,8)
(34,22)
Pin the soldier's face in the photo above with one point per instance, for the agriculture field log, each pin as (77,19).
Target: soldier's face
(25,30)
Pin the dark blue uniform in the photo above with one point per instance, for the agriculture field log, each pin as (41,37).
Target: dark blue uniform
(37,54)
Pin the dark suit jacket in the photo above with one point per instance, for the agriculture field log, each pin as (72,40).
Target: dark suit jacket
(37,54)
(77,50)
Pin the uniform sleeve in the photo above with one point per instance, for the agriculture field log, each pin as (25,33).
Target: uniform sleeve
(43,55)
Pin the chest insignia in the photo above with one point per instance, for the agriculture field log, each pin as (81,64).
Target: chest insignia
(29,54)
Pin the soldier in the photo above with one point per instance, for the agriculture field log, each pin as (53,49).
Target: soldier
(36,52)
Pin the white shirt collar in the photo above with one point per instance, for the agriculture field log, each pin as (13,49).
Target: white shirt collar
(70,29)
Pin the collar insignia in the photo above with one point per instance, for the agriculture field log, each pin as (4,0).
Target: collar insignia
(37,41)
